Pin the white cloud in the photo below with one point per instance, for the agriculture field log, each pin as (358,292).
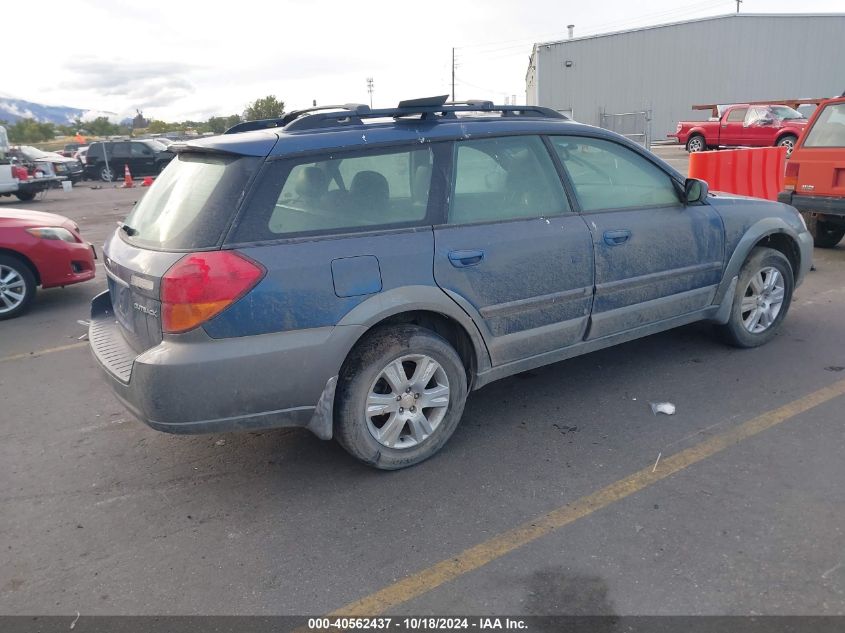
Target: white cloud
(175,59)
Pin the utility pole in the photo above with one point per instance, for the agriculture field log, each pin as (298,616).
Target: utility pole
(370,89)
(738,2)
(453,73)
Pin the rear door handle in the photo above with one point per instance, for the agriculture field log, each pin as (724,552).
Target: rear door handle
(615,238)
(462,259)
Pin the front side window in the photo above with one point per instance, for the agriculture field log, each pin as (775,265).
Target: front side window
(756,115)
(504,179)
(829,128)
(346,192)
(607,175)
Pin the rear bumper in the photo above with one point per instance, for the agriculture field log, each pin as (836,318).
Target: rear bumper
(36,185)
(192,383)
(826,205)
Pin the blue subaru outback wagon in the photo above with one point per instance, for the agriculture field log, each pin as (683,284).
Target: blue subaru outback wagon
(357,272)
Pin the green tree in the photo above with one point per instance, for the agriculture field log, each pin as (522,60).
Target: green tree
(101,126)
(219,124)
(30,131)
(266,108)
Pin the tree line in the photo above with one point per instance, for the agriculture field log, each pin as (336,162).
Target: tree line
(32,131)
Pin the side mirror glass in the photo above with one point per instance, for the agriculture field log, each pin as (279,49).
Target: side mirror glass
(695,190)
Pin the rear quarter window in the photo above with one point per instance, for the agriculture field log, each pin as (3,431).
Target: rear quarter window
(191,203)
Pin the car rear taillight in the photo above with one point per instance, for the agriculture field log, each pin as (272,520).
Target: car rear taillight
(790,178)
(202,285)
(20,173)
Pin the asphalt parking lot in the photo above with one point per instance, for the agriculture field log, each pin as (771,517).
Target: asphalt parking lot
(560,493)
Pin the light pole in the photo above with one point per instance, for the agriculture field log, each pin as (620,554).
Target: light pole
(370,89)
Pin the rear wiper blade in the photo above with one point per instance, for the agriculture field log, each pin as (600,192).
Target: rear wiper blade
(127,229)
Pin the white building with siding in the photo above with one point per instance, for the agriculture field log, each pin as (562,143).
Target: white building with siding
(668,68)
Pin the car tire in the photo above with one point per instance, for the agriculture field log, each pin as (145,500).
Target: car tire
(696,143)
(25,196)
(379,375)
(788,142)
(762,299)
(17,287)
(106,174)
(825,234)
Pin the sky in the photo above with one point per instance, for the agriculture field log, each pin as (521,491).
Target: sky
(187,59)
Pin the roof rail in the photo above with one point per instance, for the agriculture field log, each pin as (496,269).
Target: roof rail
(428,108)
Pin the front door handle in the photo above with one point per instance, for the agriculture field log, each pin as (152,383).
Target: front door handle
(462,259)
(615,238)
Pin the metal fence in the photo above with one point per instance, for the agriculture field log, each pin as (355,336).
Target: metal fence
(633,125)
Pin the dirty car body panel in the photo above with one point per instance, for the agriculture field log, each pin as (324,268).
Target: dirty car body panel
(527,274)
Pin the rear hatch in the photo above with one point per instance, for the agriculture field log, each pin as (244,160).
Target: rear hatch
(187,210)
(820,158)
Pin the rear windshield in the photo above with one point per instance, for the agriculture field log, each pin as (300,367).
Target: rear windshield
(191,202)
(829,128)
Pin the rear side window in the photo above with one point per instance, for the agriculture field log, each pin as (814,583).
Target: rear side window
(191,203)
(737,114)
(344,192)
(504,179)
(607,175)
(829,128)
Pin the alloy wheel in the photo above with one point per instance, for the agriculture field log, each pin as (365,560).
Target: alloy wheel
(407,401)
(762,300)
(12,289)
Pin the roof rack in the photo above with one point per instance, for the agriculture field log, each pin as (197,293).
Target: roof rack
(428,109)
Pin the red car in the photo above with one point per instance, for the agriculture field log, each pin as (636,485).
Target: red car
(815,176)
(39,249)
(744,125)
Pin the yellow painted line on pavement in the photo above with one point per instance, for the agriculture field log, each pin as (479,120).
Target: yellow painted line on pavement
(479,555)
(43,352)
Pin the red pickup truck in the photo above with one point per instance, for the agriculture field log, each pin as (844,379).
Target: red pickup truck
(744,125)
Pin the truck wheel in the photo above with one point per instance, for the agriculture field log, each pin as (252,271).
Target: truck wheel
(788,142)
(696,143)
(825,234)
(763,295)
(17,287)
(400,395)
(25,196)
(106,174)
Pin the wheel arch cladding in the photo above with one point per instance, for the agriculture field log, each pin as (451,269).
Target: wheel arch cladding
(786,245)
(24,260)
(771,232)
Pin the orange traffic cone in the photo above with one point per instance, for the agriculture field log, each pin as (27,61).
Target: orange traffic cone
(127,178)
(147,181)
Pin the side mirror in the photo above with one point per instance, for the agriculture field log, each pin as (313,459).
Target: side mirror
(767,121)
(695,190)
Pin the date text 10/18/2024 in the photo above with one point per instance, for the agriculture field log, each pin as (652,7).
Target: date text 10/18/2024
(416,624)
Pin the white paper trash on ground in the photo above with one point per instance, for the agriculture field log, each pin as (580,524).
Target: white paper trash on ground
(663,407)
